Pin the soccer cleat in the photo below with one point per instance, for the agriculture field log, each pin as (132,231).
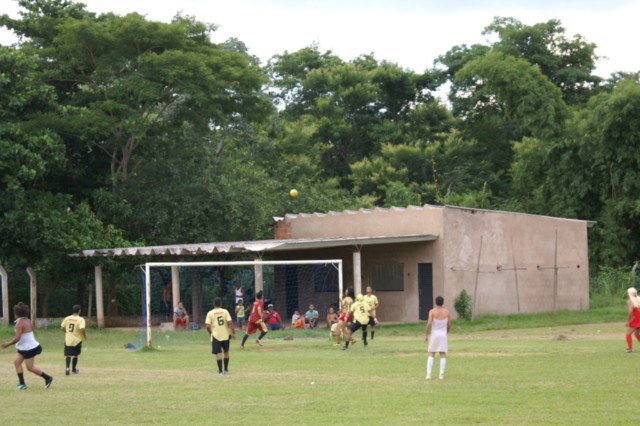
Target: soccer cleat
(628,350)
(428,377)
(66,372)
(241,346)
(226,372)
(366,343)
(441,376)
(76,371)
(21,386)
(220,373)
(259,342)
(47,382)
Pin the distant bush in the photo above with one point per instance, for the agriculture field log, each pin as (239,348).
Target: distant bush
(463,306)
(609,286)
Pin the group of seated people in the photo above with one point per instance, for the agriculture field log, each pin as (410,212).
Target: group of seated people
(311,318)
(270,316)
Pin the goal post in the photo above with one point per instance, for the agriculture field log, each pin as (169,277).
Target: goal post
(258,281)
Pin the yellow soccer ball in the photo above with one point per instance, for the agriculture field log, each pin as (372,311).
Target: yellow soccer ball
(293,193)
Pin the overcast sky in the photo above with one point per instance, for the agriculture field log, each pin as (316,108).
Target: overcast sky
(411,33)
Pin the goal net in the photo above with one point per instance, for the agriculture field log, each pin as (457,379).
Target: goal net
(289,285)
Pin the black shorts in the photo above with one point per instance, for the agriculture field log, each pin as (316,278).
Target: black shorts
(218,346)
(31,352)
(372,321)
(73,350)
(356,325)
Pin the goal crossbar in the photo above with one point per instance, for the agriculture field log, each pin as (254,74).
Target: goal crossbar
(147,269)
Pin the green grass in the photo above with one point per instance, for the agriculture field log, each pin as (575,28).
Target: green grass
(563,368)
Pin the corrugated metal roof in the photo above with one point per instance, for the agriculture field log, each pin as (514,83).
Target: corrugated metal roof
(251,246)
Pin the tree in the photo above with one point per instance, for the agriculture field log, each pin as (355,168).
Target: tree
(41,221)
(567,63)
(590,172)
(133,80)
(358,106)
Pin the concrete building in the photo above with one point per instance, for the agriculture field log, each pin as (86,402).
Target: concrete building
(507,262)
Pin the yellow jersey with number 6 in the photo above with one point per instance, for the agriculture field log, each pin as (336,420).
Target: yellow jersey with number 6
(219,319)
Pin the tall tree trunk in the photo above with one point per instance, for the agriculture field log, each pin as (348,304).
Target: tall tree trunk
(112,305)
(47,298)
(80,291)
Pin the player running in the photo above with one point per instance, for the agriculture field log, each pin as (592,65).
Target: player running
(345,315)
(633,323)
(255,322)
(27,347)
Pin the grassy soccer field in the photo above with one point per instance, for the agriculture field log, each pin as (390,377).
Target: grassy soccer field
(569,374)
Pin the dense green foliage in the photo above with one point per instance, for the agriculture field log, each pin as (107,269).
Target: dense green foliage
(117,130)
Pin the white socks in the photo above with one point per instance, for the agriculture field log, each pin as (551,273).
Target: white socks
(443,365)
(429,366)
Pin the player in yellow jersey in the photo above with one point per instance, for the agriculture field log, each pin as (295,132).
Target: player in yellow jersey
(220,327)
(372,301)
(73,328)
(345,315)
(360,310)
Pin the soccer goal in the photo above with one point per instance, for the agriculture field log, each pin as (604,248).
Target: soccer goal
(289,285)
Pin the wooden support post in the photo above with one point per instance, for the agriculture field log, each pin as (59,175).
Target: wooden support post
(357,272)
(99,297)
(259,277)
(4,277)
(34,294)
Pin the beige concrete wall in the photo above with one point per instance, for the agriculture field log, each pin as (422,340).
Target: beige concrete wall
(403,306)
(514,262)
(395,306)
(367,223)
(508,262)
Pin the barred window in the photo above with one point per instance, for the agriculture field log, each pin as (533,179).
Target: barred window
(387,276)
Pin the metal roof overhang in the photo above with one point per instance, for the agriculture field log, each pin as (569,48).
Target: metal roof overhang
(252,246)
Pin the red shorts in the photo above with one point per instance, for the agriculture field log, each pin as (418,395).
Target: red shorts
(342,317)
(635,318)
(181,321)
(252,327)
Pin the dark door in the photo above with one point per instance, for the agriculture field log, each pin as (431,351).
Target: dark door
(425,289)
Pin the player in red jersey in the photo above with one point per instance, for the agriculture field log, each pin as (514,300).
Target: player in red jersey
(255,321)
(633,324)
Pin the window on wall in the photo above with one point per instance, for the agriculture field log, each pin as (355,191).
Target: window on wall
(387,276)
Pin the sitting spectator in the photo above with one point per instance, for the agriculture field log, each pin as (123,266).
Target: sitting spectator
(180,317)
(272,318)
(297,320)
(332,317)
(311,317)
